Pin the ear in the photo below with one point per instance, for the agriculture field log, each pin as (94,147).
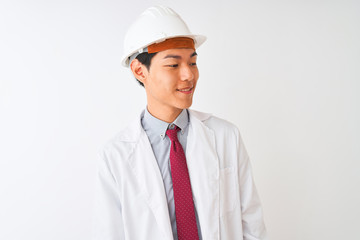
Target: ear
(139,70)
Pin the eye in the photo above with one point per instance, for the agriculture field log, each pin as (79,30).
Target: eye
(173,65)
(193,64)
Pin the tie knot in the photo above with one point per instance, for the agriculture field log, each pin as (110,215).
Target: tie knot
(172,133)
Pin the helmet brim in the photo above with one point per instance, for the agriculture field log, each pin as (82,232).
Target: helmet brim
(198,40)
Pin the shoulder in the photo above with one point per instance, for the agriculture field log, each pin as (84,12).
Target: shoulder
(124,141)
(227,139)
(216,124)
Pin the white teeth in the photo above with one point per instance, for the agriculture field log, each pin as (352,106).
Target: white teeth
(185,90)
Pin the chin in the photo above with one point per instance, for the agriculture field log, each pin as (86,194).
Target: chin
(185,105)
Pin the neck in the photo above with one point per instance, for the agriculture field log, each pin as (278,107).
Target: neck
(166,115)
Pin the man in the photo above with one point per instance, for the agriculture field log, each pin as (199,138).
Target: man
(174,173)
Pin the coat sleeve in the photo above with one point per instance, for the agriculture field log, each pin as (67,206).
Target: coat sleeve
(252,214)
(107,220)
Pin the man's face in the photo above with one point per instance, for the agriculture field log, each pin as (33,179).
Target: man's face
(171,80)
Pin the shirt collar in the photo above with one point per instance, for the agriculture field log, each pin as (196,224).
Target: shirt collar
(159,127)
(182,120)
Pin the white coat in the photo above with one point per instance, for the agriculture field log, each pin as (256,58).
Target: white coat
(131,200)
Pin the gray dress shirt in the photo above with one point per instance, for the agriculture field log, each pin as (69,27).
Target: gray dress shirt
(160,143)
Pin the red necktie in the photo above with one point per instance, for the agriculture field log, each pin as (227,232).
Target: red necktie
(184,205)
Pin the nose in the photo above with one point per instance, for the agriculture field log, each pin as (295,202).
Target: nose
(186,73)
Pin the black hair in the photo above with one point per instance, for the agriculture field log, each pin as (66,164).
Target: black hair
(145,59)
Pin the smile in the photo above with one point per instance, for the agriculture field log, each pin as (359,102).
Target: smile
(185,90)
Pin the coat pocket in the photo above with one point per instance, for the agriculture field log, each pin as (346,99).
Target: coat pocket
(227,190)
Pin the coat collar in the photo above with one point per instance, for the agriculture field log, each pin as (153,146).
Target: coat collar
(203,170)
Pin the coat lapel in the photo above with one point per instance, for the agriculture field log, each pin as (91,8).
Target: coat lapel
(203,168)
(147,172)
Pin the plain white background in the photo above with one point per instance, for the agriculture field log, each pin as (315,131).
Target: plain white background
(285,72)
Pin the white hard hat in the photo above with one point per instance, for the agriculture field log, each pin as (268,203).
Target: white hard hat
(155,25)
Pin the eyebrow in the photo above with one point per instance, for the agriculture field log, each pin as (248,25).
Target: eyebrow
(193,54)
(179,57)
